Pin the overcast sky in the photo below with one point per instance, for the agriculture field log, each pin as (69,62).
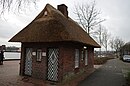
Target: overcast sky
(116,13)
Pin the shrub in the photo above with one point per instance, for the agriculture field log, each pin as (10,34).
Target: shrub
(101,60)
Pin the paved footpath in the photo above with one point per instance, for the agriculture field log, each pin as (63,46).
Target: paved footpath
(9,76)
(8,73)
(112,73)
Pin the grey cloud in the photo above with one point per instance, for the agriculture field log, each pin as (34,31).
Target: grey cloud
(6,30)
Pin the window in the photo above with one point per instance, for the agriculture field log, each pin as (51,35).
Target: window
(39,55)
(86,57)
(45,13)
(76,58)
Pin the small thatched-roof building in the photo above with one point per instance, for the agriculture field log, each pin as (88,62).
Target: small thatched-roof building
(54,46)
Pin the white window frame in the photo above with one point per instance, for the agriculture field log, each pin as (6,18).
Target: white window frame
(76,58)
(39,55)
(86,57)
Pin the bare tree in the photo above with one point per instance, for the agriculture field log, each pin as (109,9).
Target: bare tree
(88,16)
(118,43)
(17,4)
(111,43)
(105,38)
(98,35)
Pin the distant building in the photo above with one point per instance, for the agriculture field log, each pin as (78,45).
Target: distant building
(125,50)
(54,47)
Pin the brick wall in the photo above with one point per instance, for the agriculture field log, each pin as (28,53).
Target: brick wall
(22,60)
(66,60)
(91,57)
(68,55)
(39,67)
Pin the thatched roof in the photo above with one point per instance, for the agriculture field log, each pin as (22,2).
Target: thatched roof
(52,26)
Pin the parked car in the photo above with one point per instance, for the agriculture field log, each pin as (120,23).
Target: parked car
(126,58)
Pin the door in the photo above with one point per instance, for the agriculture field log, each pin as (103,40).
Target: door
(28,62)
(52,73)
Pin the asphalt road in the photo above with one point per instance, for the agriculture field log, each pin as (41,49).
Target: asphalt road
(112,73)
